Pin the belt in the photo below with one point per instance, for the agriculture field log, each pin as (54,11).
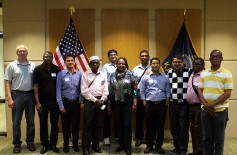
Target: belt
(195,104)
(70,100)
(22,92)
(156,102)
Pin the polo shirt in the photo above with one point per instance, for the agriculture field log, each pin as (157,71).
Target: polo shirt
(46,80)
(214,83)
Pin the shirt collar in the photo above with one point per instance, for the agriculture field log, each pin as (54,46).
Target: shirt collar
(198,73)
(19,63)
(151,73)
(147,67)
(98,73)
(219,70)
(111,64)
(66,70)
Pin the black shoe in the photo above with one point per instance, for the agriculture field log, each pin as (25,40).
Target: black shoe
(159,150)
(190,153)
(55,149)
(148,149)
(65,149)
(31,146)
(44,149)
(17,149)
(86,152)
(138,142)
(76,148)
(120,148)
(96,149)
(128,152)
(174,151)
(183,153)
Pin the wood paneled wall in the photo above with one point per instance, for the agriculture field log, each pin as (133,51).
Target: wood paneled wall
(84,20)
(125,30)
(168,24)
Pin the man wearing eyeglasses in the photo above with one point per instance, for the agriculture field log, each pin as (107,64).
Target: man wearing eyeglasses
(179,107)
(215,86)
(19,90)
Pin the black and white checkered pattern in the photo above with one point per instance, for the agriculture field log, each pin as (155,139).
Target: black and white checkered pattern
(179,85)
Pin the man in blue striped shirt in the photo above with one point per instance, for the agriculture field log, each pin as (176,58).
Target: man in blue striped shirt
(155,94)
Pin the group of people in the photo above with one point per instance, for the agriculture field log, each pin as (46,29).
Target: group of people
(195,97)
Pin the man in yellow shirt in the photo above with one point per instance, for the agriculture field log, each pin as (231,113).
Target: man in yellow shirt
(215,86)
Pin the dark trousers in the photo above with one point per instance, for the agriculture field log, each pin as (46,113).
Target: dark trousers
(139,133)
(123,118)
(196,128)
(71,121)
(93,122)
(107,124)
(214,132)
(179,125)
(52,108)
(155,120)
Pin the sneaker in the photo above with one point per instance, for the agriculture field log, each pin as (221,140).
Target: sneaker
(174,151)
(107,142)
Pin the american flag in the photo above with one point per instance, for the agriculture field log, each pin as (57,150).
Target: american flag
(70,44)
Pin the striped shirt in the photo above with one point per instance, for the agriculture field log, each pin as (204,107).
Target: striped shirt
(214,83)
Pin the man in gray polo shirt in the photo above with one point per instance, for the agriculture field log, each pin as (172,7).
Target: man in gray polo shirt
(19,90)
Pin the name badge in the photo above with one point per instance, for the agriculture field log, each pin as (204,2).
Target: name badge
(66,79)
(195,83)
(126,81)
(53,74)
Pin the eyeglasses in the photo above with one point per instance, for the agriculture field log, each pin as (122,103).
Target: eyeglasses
(215,56)
(111,55)
(177,62)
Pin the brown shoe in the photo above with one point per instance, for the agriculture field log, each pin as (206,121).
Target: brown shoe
(17,149)
(31,147)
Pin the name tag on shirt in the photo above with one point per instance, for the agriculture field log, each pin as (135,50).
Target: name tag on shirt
(53,74)
(66,79)
(126,81)
(195,83)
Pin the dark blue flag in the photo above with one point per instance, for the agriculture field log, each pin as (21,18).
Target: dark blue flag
(183,46)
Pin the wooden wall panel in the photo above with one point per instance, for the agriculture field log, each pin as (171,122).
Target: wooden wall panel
(168,24)
(84,20)
(125,30)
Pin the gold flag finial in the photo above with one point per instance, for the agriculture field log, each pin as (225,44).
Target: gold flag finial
(72,10)
(184,15)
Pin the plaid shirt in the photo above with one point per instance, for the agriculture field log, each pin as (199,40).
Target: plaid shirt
(179,85)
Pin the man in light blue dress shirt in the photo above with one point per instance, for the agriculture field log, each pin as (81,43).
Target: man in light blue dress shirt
(108,69)
(68,92)
(138,72)
(155,94)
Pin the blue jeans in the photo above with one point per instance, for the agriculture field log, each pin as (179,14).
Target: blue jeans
(179,125)
(23,102)
(214,132)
